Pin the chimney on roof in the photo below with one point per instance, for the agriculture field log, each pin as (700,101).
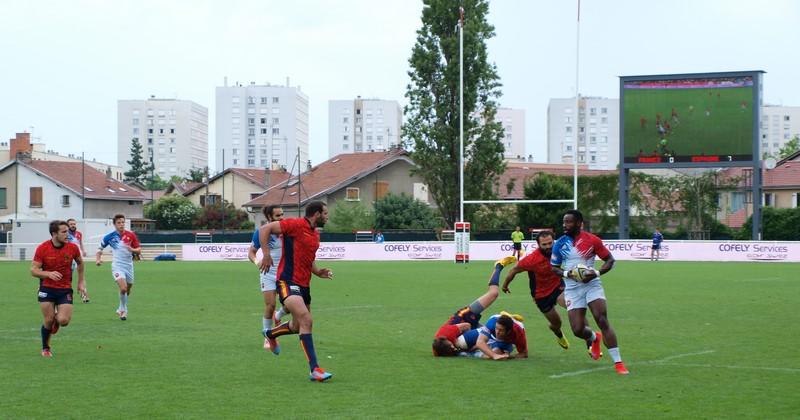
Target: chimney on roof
(308,165)
(108,172)
(266,177)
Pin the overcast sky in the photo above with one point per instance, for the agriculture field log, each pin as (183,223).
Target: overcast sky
(66,63)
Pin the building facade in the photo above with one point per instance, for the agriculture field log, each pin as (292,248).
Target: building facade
(39,151)
(591,133)
(173,134)
(513,121)
(363,125)
(779,124)
(261,126)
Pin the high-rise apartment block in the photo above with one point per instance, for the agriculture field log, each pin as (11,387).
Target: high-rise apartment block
(363,125)
(513,121)
(173,134)
(591,132)
(779,124)
(261,126)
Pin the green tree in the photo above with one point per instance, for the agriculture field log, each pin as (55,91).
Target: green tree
(197,174)
(547,215)
(171,212)
(432,113)
(403,212)
(140,170)
(493,217)
(156,183)
(210,217)
(789,148)
(348,216)
(776,225)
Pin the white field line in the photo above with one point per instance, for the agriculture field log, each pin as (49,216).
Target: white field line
(668,358)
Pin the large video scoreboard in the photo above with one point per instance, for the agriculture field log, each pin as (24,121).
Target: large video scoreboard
(690,120)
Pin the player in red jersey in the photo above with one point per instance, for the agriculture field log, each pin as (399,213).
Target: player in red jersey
(300,244)
(547,289)
(577,247)
(52,264)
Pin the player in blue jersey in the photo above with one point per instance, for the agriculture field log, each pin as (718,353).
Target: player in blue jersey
(268,286)
(655,250)
(76,237)
(577,247)
(124,246)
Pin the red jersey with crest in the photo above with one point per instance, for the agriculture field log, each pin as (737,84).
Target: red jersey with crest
(540,273)
(300,244)
(57,259)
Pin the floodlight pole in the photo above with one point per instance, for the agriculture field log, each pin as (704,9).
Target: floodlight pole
(577,110)
(461,113)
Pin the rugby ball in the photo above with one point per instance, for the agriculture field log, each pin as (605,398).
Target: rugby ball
(581,271)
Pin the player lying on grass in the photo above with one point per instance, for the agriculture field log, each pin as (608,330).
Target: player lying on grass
(463,332)
(547,289)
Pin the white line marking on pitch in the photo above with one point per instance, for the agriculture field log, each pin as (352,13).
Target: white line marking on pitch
(585,371)
(759,279)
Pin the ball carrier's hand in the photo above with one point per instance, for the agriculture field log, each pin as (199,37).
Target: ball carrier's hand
(266,263)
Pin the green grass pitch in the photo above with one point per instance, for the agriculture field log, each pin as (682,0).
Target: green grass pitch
(702,340)
(727,130)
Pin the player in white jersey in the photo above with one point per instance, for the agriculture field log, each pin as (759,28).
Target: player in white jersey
(76,237)
(584,289)
(275,246)
(124,247)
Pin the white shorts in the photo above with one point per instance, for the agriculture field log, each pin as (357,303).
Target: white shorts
(119,274)
(268,282)
(579,295)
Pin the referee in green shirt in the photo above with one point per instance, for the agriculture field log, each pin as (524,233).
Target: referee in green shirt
(516,237)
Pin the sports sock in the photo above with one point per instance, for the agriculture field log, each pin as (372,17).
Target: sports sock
(280,313)
(266,323)
(591,339)
(307,343)
(476,307)
(278,331)
(45,337)
(615,354)
(123,301)
(495,280)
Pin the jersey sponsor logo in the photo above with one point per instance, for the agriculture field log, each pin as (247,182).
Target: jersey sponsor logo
(294,288)
(42,294)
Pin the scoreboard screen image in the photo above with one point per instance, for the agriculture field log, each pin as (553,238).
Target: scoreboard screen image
(695,119)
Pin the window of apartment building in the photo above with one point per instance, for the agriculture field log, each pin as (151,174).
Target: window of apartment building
(251,162)
(251,131)
(172,140)
(263,100)
(135,131)
(65,200)
(235,162)
(263,131)
(786,118)
(593,158)
(276,100)
(276,131)
(251,152)
(235,152)
(276,110)
(592,111)
(135,112)
(172,150)
(161,142)
(604,120)
(345,138)
(3,198)
(592,139)
(263,120)
(160,131)
(172,131)
(263,111)
(263,152)
(251,100)
(276,121)
(135,121)
(251,121)
(172,121)
(345,146)
(768,199)
(161,122)
(353,194)
(150,113)
(251,111)
(35,197)
(569,129)
(604,110)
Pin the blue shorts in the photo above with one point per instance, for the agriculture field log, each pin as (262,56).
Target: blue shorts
(57,296)
(465,315)
(502,345)
(286,288)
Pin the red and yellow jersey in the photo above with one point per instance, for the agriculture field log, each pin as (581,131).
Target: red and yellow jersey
(540,272)
(300,244)
(57,259)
